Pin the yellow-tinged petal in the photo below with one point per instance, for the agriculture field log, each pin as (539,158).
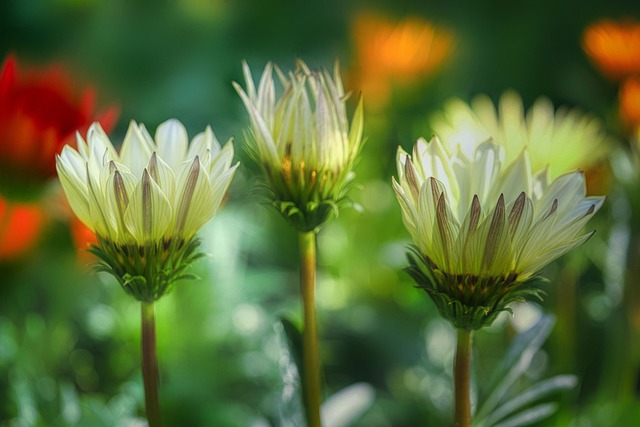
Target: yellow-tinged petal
(136,150)
(194,205)
(120,188)
(149,212)
(172,141)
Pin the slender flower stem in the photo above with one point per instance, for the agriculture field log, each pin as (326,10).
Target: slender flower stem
(150,364)
(309,337)
(462,379)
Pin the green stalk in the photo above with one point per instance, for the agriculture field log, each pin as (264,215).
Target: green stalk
(311,364)
(462,379)
(150,364)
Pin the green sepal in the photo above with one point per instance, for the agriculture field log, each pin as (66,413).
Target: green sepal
(147,272)
(467,301)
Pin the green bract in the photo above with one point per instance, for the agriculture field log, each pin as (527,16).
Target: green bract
(303,141)
(483,227)
(146,203)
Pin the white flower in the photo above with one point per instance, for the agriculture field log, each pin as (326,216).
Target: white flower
(563,140)
(483,226)
(146,203)
(153,190)
(483,216)
(302,139)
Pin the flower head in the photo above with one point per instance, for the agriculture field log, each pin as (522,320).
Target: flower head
(560,141)
(484,226)
(146,203)
(614,47)
(39,113)
(303,140)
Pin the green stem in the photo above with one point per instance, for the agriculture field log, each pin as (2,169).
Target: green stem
(311,365)
(462,379)
(150,364)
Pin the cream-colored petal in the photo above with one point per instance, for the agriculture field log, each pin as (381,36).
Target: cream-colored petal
(172,141)
(202,142)
(120,187)
(221,162)
(149,212)
(136,150)
(74,184)
(516,178)
(220,185)
(263,138)
(193,202)
(163,175)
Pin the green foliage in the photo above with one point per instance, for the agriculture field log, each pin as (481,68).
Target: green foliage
(502,405)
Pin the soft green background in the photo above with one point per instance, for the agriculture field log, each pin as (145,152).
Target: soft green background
(69,341)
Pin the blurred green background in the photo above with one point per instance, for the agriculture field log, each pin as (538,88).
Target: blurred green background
(69,339)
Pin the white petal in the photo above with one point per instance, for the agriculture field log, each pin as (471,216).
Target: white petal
(219,186)
(222,161)
(193,201)
(74,185)
(149,212)
(120,188)
(172,141)
(202,142)
(136,150)
(162,174)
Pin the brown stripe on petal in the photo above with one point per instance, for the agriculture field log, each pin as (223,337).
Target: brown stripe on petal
(554,207)
(146,205)
(443,226)
(475,215)
(409,172)
(122,198)
(112,166)
(435,191)
(495,233)
(187,195)
(516,212)
(153,167)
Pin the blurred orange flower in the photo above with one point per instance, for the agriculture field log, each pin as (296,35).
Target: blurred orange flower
(20,227)
(40,113)
(83,239)
(630,102)
(396,52)
(614,47)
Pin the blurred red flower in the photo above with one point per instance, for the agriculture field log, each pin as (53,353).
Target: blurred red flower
(40,112)
(20,227)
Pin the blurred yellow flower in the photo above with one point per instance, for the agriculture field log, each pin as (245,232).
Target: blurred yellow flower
(483,225)
(614,47)
(146,203)
(561,140)
(303,140)
(396,52)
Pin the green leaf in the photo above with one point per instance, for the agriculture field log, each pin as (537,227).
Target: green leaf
(530,416)
(292,411)
(533,393)
(346,406)
(515,363)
